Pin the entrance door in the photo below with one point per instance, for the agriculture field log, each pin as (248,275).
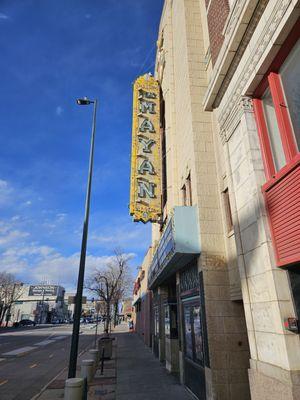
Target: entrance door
(194,348)
(156,332)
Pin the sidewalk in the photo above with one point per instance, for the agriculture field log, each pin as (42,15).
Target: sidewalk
(140,376)
(132,373)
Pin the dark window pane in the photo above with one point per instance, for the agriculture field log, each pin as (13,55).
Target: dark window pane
(274,134)
(295,285)
(290,77)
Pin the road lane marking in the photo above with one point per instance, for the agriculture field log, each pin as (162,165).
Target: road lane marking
(51,355)
(2,359)
(3,382)
(33,366)
(19,352)
(43,343)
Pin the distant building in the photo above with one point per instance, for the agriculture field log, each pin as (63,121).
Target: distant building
(142,301)
(127,310)
(40,303)
(70,303)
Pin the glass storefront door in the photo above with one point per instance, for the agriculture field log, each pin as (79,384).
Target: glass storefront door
(194,347)
(156,332)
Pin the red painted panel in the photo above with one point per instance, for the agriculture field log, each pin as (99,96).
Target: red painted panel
(283,206)
(282,116)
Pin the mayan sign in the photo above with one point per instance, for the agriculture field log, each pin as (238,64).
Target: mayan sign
(145,188)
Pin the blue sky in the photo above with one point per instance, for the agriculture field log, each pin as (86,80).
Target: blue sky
(52,52)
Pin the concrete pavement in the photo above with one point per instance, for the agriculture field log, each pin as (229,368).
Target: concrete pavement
(140,376)
(132,373)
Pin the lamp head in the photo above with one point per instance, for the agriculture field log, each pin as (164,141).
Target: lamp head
(83,102)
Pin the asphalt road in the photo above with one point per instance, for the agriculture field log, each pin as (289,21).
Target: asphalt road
(22,376)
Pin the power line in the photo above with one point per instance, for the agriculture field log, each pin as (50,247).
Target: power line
(147,58)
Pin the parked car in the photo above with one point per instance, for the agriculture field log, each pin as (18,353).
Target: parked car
(24,322)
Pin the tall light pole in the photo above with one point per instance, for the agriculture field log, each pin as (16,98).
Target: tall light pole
(78,297)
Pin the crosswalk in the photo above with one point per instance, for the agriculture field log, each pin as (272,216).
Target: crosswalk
(22,351)
(49,336)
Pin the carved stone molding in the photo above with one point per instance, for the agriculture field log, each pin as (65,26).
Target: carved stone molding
(233,17)
(237,33)
(244,105)
(240,51)
(256,53)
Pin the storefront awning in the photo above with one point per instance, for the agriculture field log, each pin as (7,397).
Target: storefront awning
(179,244)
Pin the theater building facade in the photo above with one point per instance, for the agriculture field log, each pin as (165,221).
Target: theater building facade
(253,92)
(224,270)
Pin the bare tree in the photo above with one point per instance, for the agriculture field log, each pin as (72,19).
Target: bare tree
(10,291)
(110,283)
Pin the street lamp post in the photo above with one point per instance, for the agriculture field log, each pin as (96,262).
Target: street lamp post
(42,306)
(80,281)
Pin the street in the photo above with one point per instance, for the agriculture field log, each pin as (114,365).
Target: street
(31,357)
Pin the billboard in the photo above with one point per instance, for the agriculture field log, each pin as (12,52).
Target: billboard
(43,290)
(146,164)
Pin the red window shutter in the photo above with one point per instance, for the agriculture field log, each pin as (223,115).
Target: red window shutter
(282,116)
(282,198)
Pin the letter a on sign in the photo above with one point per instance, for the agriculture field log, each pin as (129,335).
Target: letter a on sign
(146,161)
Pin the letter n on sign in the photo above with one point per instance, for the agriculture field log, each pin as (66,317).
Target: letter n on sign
(146,161)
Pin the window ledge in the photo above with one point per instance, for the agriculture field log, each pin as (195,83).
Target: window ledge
(281,173)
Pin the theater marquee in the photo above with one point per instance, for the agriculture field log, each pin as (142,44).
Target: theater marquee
(145,188)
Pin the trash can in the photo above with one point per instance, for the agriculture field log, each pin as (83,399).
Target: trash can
(106,344)
(73,389)
(87,370)
(94,355)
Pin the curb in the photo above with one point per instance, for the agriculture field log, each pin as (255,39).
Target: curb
(56,376)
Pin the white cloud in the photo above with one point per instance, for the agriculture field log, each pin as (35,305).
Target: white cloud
(59,110)
(3,184)
(35,263)
(124,235)
(61,216)
(4,16)
(9,235)
(5,192)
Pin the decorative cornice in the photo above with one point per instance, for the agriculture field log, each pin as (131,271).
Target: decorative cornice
(256,53)
(240,51)
(236,24)
(244,105)
(233,17)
